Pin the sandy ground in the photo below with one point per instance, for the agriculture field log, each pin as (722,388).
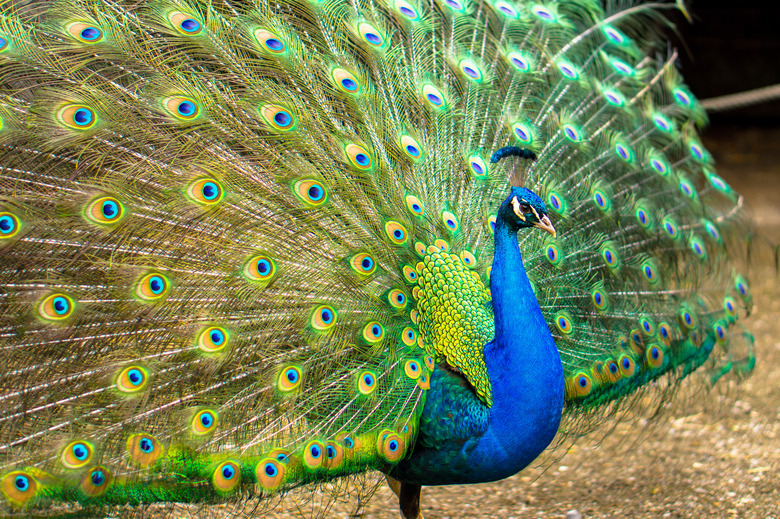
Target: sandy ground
(718,458)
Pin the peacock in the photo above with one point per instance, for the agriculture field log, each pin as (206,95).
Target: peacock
(248,246)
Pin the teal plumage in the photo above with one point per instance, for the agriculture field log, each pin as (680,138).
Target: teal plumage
(251,246)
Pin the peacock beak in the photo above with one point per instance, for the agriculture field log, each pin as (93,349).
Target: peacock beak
(546,225)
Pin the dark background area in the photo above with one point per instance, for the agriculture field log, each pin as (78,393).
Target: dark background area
(731,47)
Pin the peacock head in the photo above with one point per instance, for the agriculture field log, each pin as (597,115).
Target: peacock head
(523,208)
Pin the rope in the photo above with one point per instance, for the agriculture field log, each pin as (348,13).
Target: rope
(741,99)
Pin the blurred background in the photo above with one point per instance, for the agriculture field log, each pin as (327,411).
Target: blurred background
(732,46)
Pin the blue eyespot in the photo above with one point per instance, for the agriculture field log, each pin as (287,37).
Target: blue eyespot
(186,108)
(507,10)
(315,193)
(274,44)
(22,483)
(98,477)
(109,208)
(189,25)
(697,151)
(91,34)
(614,35)
(599,299)
(571,133)
(228,472)
(156,285)
(543,14)
(135,376)
(413,151)
(362,159)
(217,337)
(622,151)
(7,224)
(270,470)
(315,451)
(720,332)
(146,445)
(659,166)
(682,97)
(282,118)
(520,63)
(80,452)
(471,72)
(567,71)
(61,305)
(662,123)
(82,117)
(210,191)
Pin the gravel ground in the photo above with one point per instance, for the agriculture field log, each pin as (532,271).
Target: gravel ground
(717,458)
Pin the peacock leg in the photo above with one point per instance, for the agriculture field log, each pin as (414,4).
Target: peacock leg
(408,497)
(409,500)
(394,485)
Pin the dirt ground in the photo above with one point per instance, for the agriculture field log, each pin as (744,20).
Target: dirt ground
(718,458)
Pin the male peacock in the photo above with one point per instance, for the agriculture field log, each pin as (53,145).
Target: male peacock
(248,246)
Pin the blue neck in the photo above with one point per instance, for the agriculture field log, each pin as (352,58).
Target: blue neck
(523,363)
(460,439)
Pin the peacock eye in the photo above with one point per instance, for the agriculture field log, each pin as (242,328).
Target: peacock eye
(525,208)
